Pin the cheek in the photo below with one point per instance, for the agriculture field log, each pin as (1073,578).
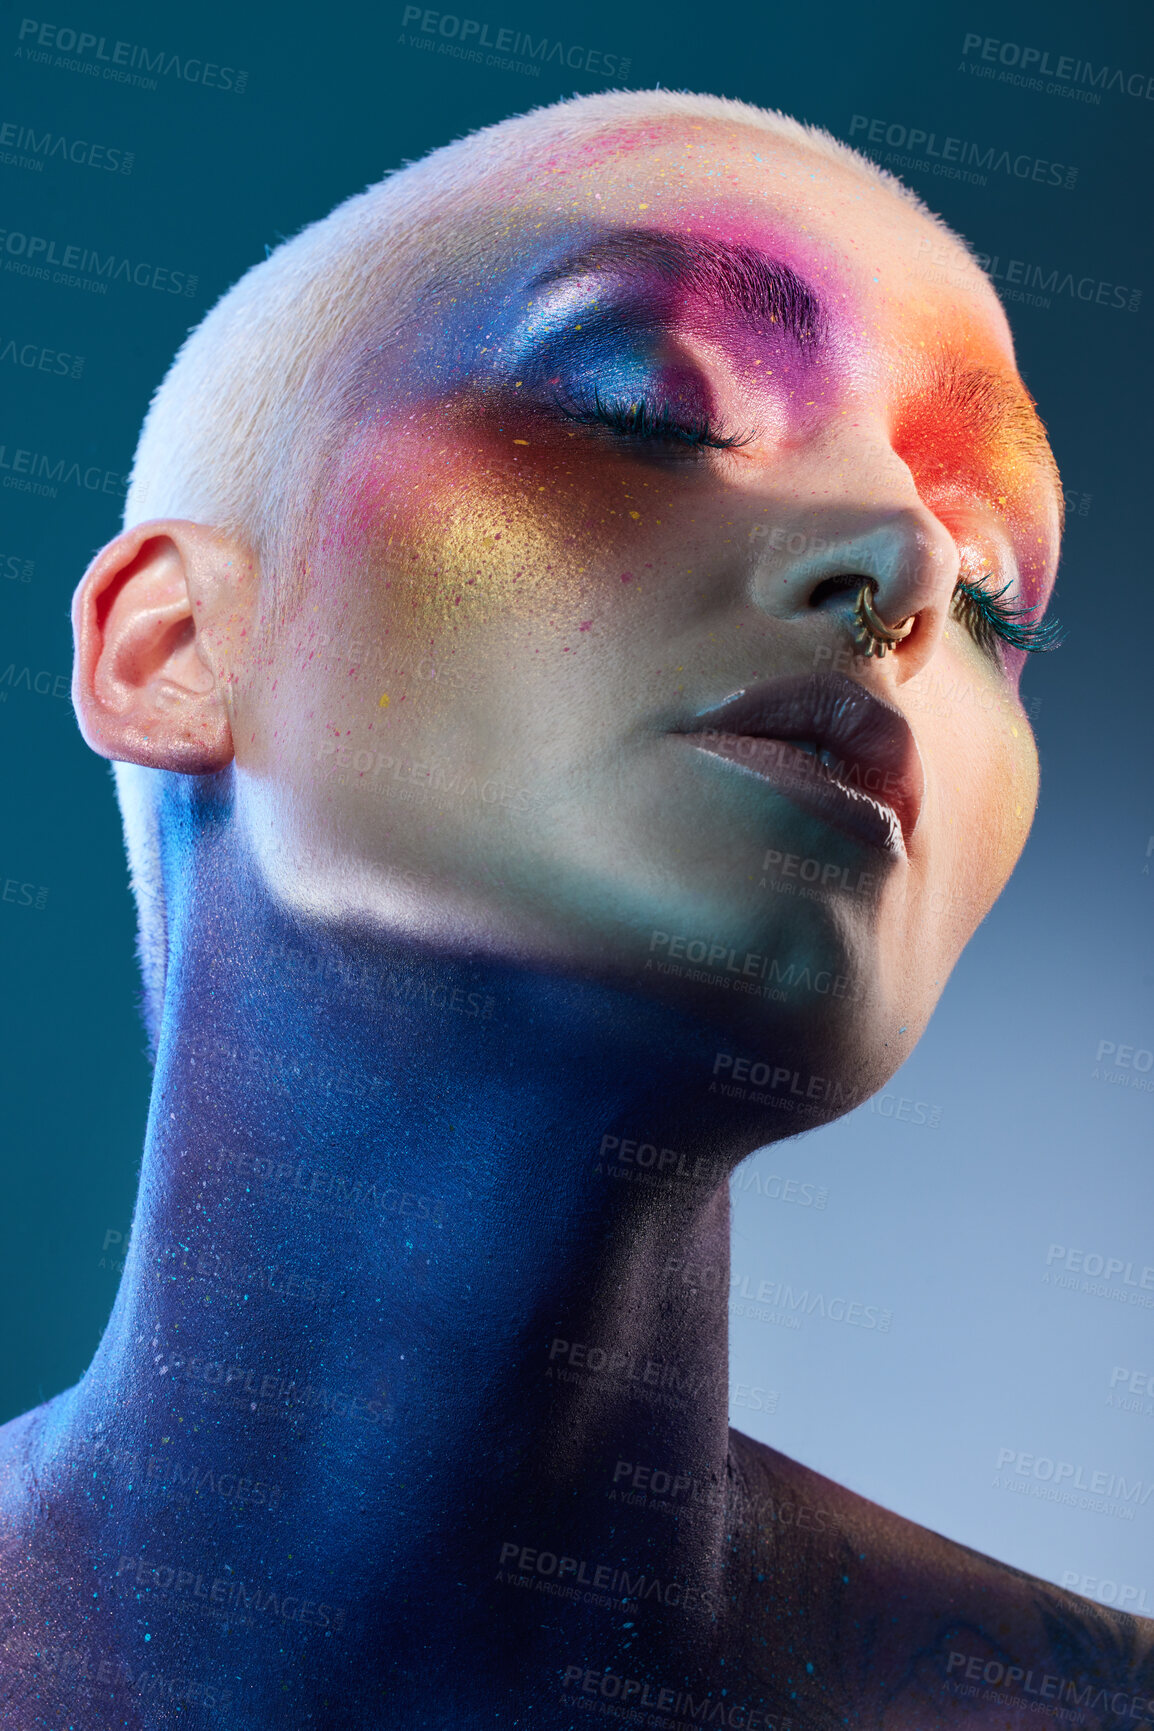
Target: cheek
(437,539)
(422,523)
(981,761)
(997,762)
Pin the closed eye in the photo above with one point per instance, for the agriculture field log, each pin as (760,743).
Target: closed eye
(983,612)
(643,421)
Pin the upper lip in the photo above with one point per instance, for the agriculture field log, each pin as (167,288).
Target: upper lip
(870,743)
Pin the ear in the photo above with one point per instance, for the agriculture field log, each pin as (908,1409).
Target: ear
(157,619)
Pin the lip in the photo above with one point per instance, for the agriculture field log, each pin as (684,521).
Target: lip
(874,787)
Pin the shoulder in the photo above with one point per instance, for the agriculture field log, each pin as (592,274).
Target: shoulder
(43,1620)
(926,1629)
(21,1495)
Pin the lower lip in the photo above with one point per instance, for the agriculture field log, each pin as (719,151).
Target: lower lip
(800,777)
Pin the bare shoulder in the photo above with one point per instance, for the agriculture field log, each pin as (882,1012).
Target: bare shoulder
(910,1629)
(24,1503)
(44,1625)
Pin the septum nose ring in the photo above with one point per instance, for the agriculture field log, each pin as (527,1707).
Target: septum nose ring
(873,636)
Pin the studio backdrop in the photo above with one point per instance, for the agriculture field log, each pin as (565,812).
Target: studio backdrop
(946,1299)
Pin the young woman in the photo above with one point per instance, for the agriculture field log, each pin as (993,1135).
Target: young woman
(511,561)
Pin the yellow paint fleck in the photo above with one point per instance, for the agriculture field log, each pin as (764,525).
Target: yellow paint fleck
(636,516)
(384,703)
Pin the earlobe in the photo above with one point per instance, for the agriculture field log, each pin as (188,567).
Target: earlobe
(146,684)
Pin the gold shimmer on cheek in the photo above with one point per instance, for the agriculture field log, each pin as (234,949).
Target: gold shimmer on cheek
(475,526)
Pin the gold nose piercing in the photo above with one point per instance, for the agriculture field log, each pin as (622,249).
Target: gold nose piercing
(873,636)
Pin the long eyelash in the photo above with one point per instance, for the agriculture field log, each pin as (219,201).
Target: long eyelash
(640,420)
(984,613)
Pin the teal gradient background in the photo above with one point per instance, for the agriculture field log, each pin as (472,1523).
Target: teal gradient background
(948,1225)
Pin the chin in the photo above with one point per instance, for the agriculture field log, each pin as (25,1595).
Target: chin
(819,1045)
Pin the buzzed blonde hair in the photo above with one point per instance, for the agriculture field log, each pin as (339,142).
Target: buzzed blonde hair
(235,433)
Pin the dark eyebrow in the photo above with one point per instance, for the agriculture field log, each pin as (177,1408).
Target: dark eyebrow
(740,277)
(990,405)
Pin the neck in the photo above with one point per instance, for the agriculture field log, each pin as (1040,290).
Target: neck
(428,1283)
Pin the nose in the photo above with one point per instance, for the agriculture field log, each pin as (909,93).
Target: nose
(908,557)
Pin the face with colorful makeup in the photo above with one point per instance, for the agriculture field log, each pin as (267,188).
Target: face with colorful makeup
(571,676)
